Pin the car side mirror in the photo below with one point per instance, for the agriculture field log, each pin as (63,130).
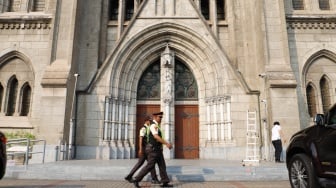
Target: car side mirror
(319,119)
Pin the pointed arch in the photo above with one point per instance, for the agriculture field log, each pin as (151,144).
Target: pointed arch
(324,53)
(185,83)
(319,72)
(325,93)
(12,88)
(311,99)
(149,83)
(25,99)
(1,96)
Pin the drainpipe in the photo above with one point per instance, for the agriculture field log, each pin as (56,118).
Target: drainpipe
(72,119)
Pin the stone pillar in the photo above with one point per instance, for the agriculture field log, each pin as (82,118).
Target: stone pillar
(280,79)
(167,97)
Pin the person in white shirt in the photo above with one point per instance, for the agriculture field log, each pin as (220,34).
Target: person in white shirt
(277,135)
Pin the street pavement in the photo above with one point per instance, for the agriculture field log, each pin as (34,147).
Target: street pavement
(14,183)
(179,170)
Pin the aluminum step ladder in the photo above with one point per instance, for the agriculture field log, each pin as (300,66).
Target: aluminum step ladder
(252,140)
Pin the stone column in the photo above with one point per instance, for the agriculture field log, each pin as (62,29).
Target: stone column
(215,123)
(222,120)
(228,118)
(167,97)
(280,79)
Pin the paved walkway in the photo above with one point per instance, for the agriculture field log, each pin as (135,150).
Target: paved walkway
(14,183)
(178,170)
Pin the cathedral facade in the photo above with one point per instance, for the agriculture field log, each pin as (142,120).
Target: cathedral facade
(83,75)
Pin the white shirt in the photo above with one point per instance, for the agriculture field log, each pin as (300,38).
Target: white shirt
(276,132)
(143,130)
(154,128)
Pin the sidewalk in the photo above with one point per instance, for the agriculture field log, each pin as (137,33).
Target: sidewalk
(178,170)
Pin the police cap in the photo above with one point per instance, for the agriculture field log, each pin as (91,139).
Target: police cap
(158,114)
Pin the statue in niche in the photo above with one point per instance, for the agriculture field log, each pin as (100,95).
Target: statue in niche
(168,83)
(167,57)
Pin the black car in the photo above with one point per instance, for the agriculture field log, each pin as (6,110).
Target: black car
(3,155)
(311,154)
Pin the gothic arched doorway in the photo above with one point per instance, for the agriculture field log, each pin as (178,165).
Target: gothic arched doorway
(186,118)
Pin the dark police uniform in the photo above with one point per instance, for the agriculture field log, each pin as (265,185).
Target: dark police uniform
(155,155)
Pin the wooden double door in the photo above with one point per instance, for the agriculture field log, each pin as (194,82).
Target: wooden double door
(186,128)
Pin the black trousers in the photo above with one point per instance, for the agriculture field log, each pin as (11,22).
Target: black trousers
(278,149)
(154,156)
(137,166)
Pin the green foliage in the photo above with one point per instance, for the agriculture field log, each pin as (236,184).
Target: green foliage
(19,134)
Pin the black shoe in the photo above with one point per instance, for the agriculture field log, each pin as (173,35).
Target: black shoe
(128,178)
(167,185)
(155,182)
(135,183)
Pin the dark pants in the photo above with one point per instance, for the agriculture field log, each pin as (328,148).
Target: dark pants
(154,156)
(137,166)
(278,149)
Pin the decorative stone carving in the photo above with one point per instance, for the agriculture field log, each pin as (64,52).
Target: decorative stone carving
(310,22)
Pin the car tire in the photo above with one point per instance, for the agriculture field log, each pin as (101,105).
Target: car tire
(301,172)
(2,170)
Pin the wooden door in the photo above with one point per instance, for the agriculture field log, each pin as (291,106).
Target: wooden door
(186,132)
(142,112)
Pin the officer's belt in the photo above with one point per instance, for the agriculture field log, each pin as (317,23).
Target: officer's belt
(154,147)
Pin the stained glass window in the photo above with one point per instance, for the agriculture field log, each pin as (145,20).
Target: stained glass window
(185,83)
(149,84)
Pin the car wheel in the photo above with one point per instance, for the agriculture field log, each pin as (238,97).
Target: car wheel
(2,170)
(301,172)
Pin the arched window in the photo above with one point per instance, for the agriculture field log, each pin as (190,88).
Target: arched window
(205,9)
(149,84)
(220,9)
(324,4)
(185,83)
(298,4)
(1,95)
(325,94)
(25,99)
(311,100)
(11,95)
(114,10)
(129,9)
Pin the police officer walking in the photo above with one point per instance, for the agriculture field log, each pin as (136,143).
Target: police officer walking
(143,139)
(155,153)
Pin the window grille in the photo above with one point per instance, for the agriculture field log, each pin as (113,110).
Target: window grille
(324,4)
(221,9)
(298,4)
(38,5)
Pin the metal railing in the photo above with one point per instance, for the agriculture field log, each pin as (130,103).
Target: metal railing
(24,147)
